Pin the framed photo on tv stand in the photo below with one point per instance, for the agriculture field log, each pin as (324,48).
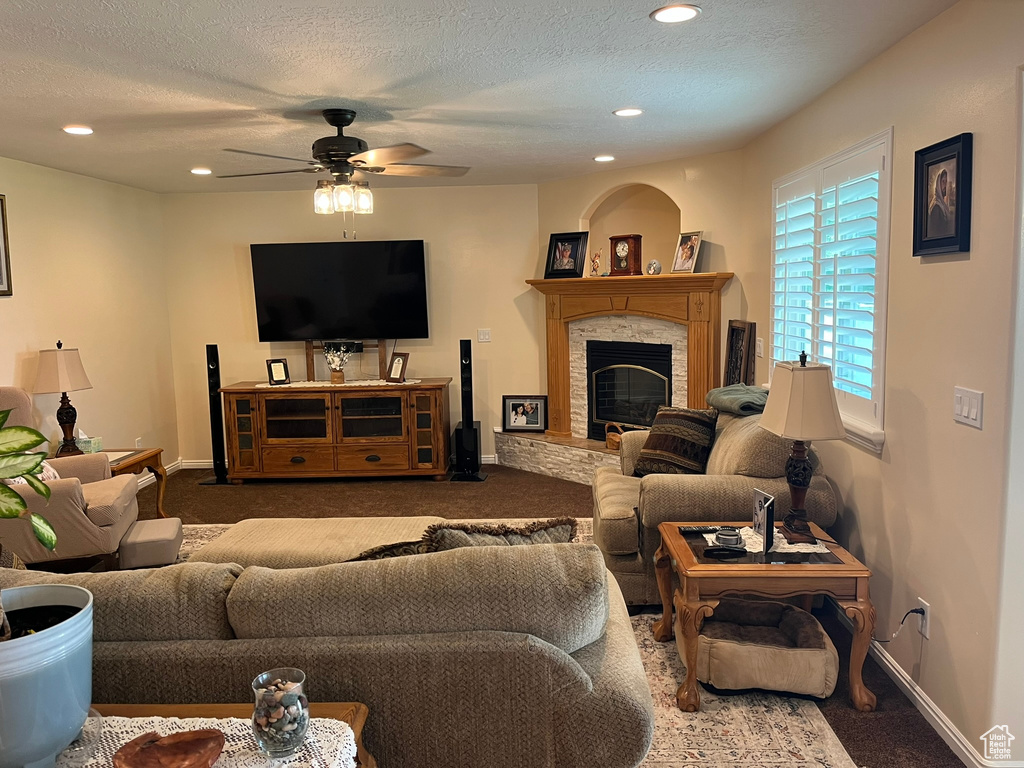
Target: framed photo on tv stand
(396,368)
(277,371)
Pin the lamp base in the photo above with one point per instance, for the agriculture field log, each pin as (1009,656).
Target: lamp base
(66,418)
(68,448)
(795,528)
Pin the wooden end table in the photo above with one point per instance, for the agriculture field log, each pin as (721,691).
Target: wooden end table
(351,712)
(138,461)
(703,580)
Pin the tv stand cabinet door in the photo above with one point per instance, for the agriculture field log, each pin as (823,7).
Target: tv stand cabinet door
(295,419)
(240,413)
(373,417)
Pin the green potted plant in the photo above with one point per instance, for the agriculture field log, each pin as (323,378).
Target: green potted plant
(46,670)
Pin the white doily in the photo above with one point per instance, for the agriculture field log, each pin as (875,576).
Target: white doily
(754,542)
(356,383)
(328,744)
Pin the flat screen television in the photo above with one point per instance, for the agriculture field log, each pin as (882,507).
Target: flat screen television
(364,289)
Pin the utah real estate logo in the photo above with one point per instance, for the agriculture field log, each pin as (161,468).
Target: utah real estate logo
(997,743)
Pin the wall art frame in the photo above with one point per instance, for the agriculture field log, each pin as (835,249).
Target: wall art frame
(942,196)
(5,252)
(739,353)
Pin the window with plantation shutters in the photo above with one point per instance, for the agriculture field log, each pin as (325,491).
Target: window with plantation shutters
(830,252)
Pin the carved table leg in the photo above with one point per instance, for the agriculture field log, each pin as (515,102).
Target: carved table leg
(157,468)
(691,619)
(862,612)
(663,570)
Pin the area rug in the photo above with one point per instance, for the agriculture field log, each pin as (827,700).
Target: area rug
(748,730)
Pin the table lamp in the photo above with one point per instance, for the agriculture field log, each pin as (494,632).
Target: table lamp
(802,407)
(60,370)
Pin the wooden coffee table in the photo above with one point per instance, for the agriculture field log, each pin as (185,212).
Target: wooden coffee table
(138,461)
(352,712)
(703,580)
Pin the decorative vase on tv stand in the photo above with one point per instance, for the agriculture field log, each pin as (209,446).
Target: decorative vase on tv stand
(337,354)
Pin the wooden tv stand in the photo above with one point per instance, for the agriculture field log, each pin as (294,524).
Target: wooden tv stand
(319,429)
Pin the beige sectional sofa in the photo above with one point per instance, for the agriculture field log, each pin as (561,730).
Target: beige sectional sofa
(482,656)
(628,510)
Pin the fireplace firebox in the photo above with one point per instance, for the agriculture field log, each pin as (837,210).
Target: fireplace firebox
(626,384)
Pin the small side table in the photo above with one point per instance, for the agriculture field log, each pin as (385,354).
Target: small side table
(138,461)
(351,712)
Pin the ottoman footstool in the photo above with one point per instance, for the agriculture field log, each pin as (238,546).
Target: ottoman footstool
(764,644)
(150,543)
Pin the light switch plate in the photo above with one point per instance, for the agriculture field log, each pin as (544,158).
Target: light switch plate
(760,347)
(483,334)
(968,406)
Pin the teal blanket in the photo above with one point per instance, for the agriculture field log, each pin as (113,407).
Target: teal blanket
(741,399)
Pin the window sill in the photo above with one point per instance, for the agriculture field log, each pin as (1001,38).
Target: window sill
(864,435)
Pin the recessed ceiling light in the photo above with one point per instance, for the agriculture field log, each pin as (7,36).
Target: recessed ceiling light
(604,158)
(201,171)
(78,130)
(673,14)
(628,112)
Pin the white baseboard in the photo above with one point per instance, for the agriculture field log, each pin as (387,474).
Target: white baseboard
(955,740)
(196,463)
(148,478)
(490,459)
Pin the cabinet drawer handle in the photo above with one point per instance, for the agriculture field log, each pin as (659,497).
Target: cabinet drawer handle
(298,459)
(373,457)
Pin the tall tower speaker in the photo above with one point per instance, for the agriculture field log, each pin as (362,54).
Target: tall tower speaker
(220,465)
(467,432)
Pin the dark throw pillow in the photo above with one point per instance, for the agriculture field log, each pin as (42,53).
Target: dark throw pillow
(679,443)
(401,549)
(444,536)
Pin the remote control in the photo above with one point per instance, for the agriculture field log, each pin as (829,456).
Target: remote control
(699,529)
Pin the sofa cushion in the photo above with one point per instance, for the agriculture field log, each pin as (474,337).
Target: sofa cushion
(556,592)
(679,442)
(107,500)
(445,536)
(179,602)
(743,447)
(616,530)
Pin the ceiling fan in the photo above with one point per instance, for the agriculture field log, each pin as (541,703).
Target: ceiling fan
(342,156)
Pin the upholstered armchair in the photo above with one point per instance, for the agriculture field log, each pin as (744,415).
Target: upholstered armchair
(90,511)
(628,510)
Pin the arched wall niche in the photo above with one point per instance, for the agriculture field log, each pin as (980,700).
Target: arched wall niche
(634,208)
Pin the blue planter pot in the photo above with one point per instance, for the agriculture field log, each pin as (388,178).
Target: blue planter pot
(45,679)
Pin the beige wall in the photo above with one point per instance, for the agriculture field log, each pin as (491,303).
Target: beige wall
(87,268)
(480,244)
(641,210)
(925,514)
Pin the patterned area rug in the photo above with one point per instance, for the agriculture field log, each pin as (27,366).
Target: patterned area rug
(748,730)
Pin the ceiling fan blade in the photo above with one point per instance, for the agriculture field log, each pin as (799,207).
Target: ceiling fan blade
(276,157)
(425,170)
(269,173)
(396,153)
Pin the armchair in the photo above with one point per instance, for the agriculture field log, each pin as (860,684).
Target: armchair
(90,511)
(628,510)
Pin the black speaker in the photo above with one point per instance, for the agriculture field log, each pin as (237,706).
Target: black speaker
(467,432)
(220,465)
(466,378)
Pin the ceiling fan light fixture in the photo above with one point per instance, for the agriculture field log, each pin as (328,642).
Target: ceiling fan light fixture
(323,198)
(201,171)
(673,14)
(344,197)
(77,130)
(604,158)
(628,112)
(363,198)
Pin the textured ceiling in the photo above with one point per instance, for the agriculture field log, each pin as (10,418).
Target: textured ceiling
(521,92)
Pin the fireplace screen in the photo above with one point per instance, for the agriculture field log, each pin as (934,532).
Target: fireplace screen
(628,382)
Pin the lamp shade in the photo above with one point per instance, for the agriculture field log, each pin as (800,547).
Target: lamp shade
(802,403)
(60,370)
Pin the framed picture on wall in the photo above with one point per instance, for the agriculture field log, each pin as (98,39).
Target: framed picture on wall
(686,252)
(5,255)
(524,413)
(942,196)
(739,353)
(567,255)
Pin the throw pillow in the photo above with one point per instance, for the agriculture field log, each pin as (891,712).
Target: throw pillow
(46,474)
(401,549)
(679,442)
(8,559)
(445,536)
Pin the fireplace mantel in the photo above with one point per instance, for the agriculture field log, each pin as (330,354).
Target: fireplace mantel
(693,300)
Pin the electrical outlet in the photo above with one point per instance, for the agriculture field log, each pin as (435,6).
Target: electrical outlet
(760,347)
(925,626)
(138,442)
(483,335)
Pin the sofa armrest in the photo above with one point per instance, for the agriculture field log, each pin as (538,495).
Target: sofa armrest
(725,498)
(629,449)
(89,467)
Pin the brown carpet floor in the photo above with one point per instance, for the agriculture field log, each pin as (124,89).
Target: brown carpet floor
(895,735)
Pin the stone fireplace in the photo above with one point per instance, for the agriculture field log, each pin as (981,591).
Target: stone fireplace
(626,384)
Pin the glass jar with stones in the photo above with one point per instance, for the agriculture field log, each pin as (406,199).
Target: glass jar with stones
(281,716)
